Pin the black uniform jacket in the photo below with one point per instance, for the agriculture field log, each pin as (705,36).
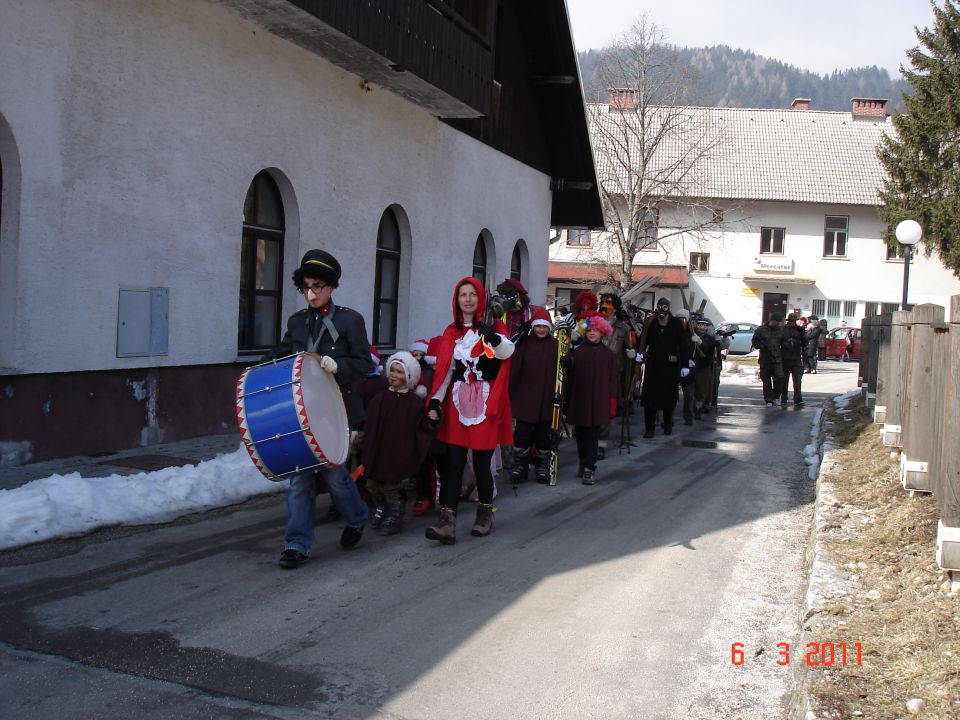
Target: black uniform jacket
(350,349)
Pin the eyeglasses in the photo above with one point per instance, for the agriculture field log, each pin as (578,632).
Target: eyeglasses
(318,288)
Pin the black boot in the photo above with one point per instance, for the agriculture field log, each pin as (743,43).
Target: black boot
(379,512)
(521,464)
(393,522)
(543,466)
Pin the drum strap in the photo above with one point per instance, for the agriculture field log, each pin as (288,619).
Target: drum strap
(329,327)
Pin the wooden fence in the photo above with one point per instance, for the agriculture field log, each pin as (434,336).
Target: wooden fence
(910,375)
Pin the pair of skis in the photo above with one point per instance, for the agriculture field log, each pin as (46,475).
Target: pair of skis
(555,421)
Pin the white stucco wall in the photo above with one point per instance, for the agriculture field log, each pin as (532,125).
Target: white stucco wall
(139,127)
(864,275)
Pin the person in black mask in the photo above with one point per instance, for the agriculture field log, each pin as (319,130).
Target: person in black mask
(665,352)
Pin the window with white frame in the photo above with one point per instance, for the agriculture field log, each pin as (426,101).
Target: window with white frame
(578,237)
(849,308)
(649,225)
(771,240)
(818,307)
(833,308)
(386,290)
(894,252)
(699,262)
(835,236)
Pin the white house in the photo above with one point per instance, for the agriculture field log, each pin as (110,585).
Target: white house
(165,164)
(794,198)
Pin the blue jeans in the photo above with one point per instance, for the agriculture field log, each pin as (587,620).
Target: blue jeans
(302,505)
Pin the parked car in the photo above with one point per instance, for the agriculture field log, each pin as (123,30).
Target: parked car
(837,342)
(741,333)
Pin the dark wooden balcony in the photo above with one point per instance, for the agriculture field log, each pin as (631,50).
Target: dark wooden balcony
(423,50)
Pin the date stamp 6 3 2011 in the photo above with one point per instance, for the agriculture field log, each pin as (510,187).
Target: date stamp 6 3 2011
(816,654)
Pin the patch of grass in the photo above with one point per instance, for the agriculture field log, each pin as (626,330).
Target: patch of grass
(902,614)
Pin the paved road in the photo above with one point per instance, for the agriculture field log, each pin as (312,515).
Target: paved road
(614,601)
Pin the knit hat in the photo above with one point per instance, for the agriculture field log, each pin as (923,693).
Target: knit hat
(540,317)
(776,316)
(318,264)
(418,346)
(408,362)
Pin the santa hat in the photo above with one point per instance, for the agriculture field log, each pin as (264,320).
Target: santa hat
(375,356)
(592,320)
(683,314)
(540,317)
(419,346)
(408,362)
(433,347)
(585,301)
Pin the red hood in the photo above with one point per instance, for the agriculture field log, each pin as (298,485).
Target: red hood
(481,300)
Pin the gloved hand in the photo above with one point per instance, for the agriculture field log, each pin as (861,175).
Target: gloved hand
(631,353)
(691,364)
(696,339)
(328,364)
(684,372)
(613,408)
(639,358)
(433,411)
(489,336)
(524,328)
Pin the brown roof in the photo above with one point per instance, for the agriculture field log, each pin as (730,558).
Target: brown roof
(667,275)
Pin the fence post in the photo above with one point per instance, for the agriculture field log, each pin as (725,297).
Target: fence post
(883,360)
(922,421)
(948,496)
(867,369)
(896,366)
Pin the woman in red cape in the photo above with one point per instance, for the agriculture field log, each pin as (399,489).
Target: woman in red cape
(470,397)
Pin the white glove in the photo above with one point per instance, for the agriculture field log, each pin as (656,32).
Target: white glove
(691,363)
(696,339)
(631,353)
(328,364)
(638,358)
(684,372)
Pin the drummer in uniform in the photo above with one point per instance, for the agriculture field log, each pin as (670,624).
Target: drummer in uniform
(337,337)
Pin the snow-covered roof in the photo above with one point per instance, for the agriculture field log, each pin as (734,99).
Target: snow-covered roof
(748,154)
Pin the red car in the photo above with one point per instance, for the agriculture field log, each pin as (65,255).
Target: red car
(837,342)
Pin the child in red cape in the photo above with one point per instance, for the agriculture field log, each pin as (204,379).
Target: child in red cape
(470,400)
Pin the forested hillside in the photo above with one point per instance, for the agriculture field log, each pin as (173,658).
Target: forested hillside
(739,78)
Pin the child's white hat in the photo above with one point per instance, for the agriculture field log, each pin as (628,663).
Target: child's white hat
(409,364)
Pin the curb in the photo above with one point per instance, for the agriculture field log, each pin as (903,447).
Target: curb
(826,582)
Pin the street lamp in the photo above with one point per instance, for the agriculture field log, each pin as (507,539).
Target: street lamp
(908,234)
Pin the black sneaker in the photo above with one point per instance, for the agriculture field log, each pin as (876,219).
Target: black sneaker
(350,536)
(799,403)
(588,477)
(291,558)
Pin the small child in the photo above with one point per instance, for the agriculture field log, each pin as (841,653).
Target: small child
(592,375)
(397,438)
(533,372)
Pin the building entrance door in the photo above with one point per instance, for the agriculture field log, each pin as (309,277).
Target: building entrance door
(774,302)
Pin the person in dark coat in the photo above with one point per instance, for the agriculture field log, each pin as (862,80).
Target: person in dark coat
(397,439)
(705,357)
(336,337)
(767,339)
(621,341)
(812,340)
(594,384)
(427,476)
(533,371)
(792,350)
(665,354)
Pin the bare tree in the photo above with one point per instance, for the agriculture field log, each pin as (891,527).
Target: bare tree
(651,150)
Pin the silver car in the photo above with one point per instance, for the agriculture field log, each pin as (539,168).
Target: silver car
(741,335)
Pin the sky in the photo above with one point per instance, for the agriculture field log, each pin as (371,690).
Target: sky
(817,35)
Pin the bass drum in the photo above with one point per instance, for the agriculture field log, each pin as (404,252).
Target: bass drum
(291,416)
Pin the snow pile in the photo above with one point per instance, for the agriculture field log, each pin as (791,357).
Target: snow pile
(65,505)
(736,373)
(811,452)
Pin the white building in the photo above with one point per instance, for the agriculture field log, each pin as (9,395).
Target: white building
(795,192)
(162,159)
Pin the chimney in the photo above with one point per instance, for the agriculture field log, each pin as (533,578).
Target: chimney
(800,104)
(869,108)
(622,99)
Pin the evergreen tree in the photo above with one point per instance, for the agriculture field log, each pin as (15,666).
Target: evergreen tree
(923,160)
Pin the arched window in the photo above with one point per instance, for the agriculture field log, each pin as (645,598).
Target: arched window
(516,263)
(261,266)
(386,291)
(480,260)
